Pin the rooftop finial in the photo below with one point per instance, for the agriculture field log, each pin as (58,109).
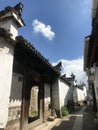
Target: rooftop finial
(72,75)
(59,66)
(19,7)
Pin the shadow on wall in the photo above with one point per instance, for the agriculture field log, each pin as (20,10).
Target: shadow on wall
(8,49)
(67,97)
(69,100)
(16,88)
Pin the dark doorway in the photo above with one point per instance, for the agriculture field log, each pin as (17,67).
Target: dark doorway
(34,104)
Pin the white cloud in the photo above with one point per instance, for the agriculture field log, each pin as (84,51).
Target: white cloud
(45,30)
(74,66)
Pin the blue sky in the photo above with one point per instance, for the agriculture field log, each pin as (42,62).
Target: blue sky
(56,27)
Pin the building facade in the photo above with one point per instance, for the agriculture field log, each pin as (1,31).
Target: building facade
(26,77)
(79,94)
(91,57)
(63,93)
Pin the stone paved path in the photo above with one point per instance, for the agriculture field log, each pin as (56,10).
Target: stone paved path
(60,124)
(72,122)
(82,119)
(78,124)
(89,119)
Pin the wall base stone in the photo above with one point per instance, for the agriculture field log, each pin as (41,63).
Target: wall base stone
(13,125)
(58,113)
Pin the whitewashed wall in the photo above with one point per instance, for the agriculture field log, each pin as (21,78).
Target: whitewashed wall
(11,27)
(80,94)
(6,66)
(64,92)
(85,91)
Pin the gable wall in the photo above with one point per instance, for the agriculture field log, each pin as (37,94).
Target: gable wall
(64,93)
(6,66)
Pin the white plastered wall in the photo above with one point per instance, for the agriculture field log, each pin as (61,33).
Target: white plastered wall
(80,94)
(11,27)
(64,93)
(6,66)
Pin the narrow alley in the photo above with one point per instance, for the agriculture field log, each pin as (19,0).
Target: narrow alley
(47,82)
(81,119)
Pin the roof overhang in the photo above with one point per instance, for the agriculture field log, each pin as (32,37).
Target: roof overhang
(86,50)
(91,52)
(10,12)
(27,46)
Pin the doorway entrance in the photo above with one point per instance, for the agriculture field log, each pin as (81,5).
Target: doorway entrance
(33,107)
